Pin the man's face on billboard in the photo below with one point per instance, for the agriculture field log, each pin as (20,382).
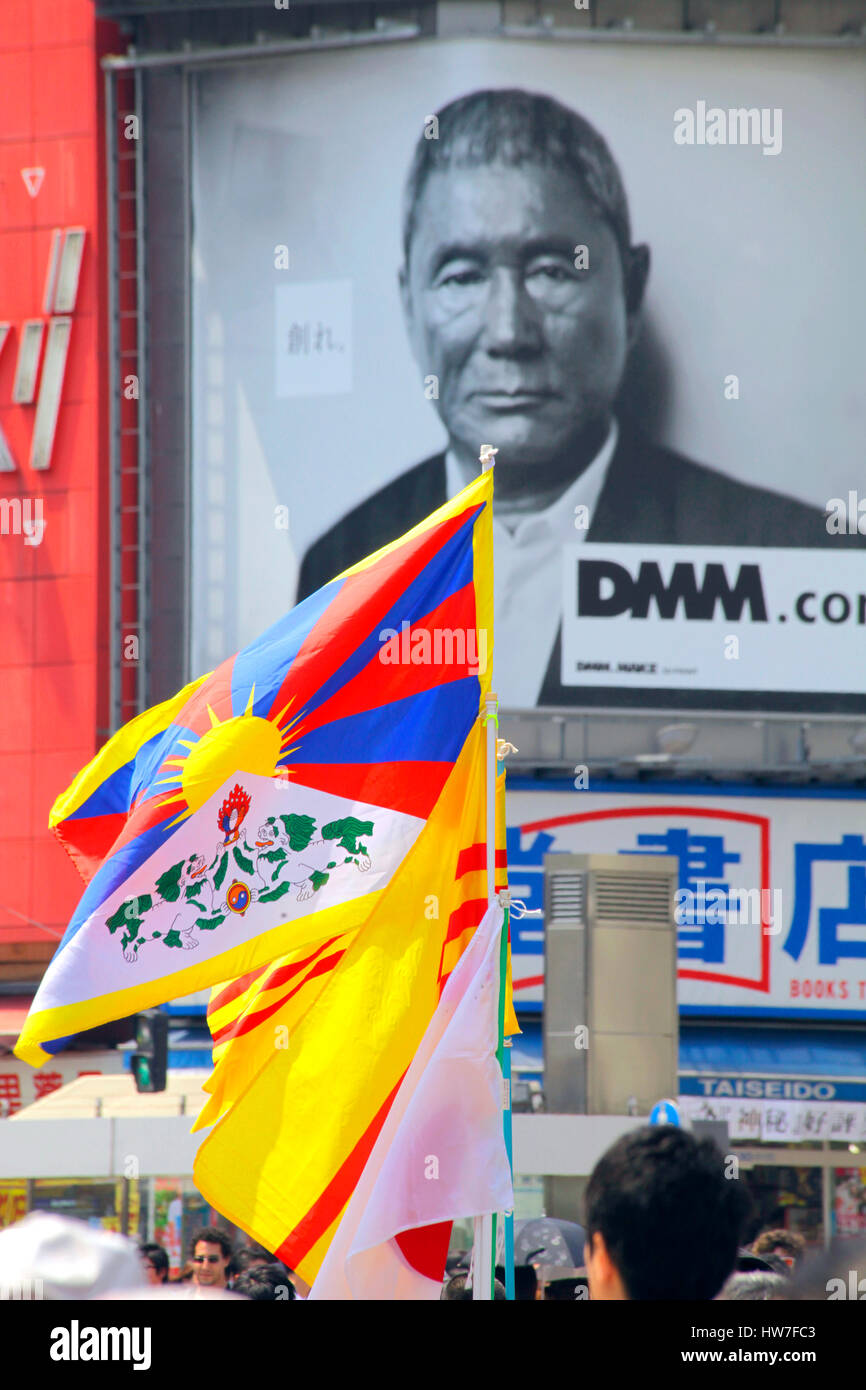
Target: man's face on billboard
(528,348)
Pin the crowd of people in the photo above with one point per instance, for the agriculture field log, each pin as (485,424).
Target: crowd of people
(663,1222)
(214,1263)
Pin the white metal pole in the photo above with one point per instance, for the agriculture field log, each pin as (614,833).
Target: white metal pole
(482,1254)
(491,706)
(482,1281)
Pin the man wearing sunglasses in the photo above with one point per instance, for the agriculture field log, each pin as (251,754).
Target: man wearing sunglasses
(211,1256)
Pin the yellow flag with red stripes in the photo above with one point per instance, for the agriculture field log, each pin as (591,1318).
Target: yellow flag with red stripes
(321,1072)
(251,1016)
(310,1050)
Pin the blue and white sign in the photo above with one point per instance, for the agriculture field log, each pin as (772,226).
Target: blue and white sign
(664,1112)
(770,907)
(778,1110)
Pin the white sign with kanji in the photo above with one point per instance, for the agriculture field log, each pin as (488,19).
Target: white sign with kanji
(21,1084)
(782,1121)
(313,339)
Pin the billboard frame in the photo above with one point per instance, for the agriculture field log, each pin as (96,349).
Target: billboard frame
(794,746)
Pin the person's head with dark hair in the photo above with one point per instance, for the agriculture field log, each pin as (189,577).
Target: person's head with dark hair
(511,127)
(565,1290)
(754,1286)
(520,285)
(662,1220)
(265,1284)
(252,1258)
(525,1282)
(155,1262)
(211,1253)
(786,1245)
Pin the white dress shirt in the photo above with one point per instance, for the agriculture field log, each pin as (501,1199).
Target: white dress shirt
(528,577)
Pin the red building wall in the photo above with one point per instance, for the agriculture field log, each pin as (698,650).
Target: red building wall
(53,595)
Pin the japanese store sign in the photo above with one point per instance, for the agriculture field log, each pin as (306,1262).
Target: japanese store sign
(21,1084)
(787,1121)
(771,907)
(778,1108)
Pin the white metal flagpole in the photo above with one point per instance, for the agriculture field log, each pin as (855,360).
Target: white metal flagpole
(482,1257)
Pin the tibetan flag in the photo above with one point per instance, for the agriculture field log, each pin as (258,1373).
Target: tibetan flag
(245,1016)
(440,1154)
(265,810)
(307,1072)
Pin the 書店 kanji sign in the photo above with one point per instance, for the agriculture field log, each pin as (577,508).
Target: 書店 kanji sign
(771,904)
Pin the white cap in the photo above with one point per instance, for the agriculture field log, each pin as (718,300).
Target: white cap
(55,1257)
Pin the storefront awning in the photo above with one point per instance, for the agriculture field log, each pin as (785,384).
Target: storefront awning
(115,1097)
(13,1011)
(773,1052)
(723,1051)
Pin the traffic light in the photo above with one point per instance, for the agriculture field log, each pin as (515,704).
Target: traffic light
(150,1059)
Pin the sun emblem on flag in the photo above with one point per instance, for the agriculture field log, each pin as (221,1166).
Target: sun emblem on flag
(244,743)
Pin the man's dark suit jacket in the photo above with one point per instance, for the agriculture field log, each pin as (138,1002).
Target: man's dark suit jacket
(651,495)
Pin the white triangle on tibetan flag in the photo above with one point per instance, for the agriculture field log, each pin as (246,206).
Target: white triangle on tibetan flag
(441,1153)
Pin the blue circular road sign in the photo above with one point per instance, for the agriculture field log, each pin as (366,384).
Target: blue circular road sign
(664,1112)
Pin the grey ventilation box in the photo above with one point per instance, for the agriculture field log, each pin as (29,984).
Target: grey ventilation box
(611,1028)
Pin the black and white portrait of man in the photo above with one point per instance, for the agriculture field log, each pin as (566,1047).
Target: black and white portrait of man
(522,292)
(404,254)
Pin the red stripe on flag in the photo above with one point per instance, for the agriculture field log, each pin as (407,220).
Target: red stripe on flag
(88,840)
(232,990)
(274,980)
(247,1022)
(465,917)
(360,603)
(474,858)
(468,914)
(214,694)
(284,973)
(328,1206)
(410,787)
(382,681)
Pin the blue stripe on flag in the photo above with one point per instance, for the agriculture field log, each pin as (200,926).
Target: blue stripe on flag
(267,660)
(429,726)
(448,571)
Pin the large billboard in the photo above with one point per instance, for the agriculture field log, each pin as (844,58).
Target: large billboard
(634,270)
(771,903)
